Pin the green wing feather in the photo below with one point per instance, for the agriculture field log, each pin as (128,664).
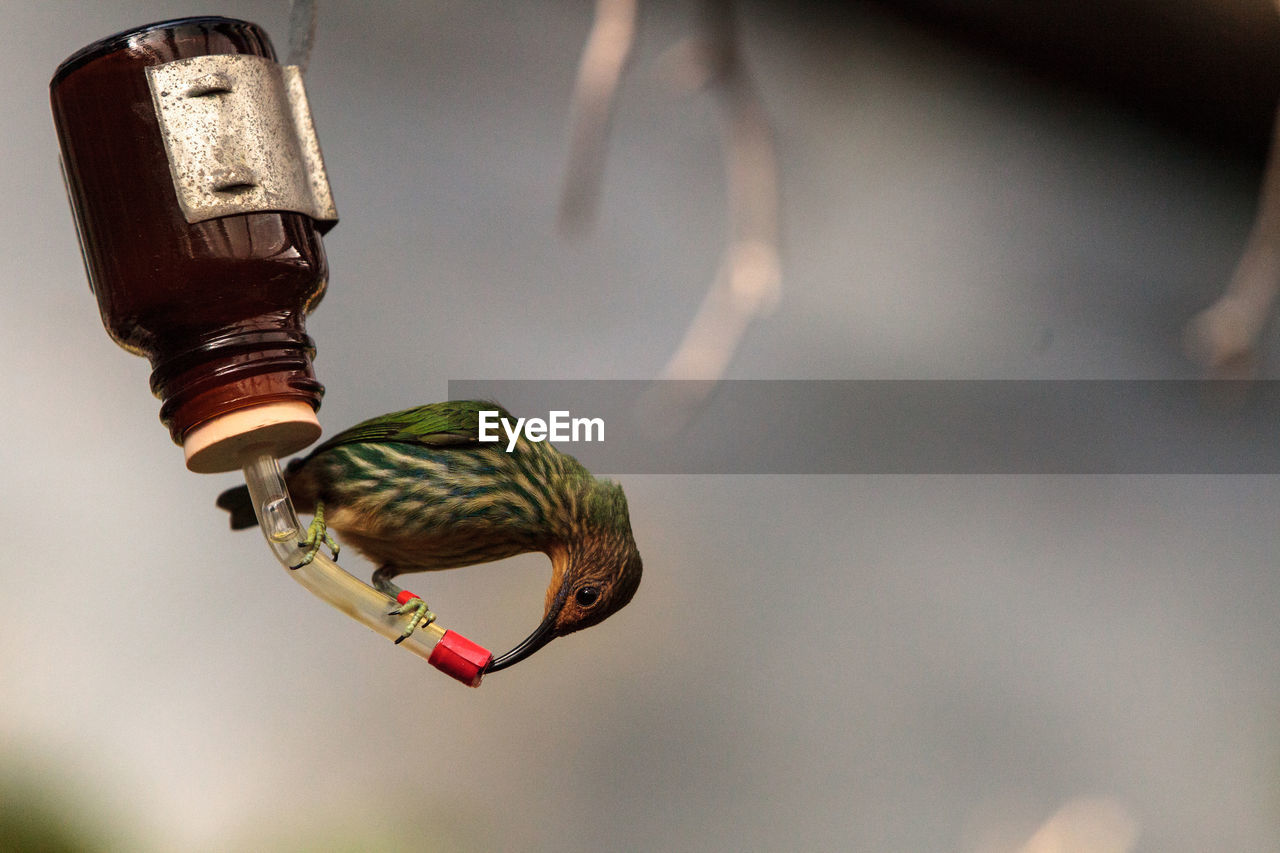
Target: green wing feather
(449,424)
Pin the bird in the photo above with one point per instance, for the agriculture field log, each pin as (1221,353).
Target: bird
(418,490)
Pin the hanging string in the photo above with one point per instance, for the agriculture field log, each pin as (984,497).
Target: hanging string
(302,32)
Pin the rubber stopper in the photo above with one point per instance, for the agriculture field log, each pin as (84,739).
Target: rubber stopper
(458,657)
(220,444)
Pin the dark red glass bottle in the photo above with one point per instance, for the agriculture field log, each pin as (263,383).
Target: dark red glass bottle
(218,306)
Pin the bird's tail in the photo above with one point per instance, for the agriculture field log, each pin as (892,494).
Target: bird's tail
(237,502)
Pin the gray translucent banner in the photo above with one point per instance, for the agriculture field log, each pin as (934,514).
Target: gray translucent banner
(902,426)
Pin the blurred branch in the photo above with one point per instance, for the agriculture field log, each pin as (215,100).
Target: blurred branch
(748,281)
(1225,336)
(603,60)
(1086,825)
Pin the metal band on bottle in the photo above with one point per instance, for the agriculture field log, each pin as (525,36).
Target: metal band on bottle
(239,137)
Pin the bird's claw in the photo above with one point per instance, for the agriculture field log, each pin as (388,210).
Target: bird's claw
(318,536)
(421,615)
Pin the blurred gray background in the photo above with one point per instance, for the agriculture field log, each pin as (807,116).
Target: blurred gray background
(857,663)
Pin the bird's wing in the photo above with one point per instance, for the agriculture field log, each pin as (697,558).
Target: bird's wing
(449,424)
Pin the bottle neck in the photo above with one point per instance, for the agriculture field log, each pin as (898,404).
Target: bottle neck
(231,370)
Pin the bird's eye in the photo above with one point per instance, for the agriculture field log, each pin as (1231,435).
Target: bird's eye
(587,596)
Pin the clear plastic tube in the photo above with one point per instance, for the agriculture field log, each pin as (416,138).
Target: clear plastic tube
(327,580)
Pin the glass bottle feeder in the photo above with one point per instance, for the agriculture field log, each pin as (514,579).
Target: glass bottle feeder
(200,197)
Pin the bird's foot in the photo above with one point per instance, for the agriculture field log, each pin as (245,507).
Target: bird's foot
(410,603)
(318,536)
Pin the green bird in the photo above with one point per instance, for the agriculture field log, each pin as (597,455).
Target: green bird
(418,491)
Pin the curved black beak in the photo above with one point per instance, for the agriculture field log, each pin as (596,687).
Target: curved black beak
(541,635)
(539,638)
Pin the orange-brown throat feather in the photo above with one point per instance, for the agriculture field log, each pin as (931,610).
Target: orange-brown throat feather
(559,554)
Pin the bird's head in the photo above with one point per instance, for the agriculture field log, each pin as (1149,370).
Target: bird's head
(594,573)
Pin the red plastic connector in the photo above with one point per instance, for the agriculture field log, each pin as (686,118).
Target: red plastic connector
(454,654)
(460,658)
